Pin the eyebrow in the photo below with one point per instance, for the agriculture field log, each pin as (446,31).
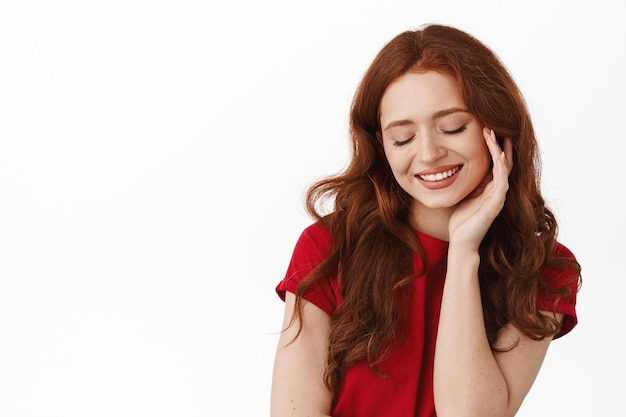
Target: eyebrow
(437,115)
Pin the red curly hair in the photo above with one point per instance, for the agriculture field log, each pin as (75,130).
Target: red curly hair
(372,240)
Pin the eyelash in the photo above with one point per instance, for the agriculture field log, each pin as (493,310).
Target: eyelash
(455,131)
(403,142)
(445,132)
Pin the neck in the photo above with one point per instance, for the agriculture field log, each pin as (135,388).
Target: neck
(433,222)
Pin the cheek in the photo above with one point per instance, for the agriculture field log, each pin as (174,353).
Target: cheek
(479,161)
(399,162)
(485,161)
(480,154)
(390,157)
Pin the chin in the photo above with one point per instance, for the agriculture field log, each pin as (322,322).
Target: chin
(438,205)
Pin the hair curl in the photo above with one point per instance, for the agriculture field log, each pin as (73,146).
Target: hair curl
(372,240)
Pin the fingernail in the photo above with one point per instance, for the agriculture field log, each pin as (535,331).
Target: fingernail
(492,134)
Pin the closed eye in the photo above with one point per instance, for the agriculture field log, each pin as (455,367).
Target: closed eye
(403,142)
(455,131)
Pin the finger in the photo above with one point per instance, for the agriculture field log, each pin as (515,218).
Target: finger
(508,151)
(496,151)
(501,174)
(495,190)
(492,144)
(502,163)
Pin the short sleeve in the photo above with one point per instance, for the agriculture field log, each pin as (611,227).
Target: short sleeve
(312,248)
(561,278)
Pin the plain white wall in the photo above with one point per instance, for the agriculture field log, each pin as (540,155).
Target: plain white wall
(153,156)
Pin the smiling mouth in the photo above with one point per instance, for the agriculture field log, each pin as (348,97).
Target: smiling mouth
(439,176)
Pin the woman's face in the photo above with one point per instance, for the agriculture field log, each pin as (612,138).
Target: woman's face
(434,145)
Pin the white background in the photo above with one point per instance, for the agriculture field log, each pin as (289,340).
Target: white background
(153,157)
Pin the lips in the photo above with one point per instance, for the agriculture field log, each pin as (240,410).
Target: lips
(439,177)
(438,174)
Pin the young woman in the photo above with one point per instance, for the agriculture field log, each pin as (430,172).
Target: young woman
(436,284)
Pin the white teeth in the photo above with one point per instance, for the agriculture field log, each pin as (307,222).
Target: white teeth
(440,175)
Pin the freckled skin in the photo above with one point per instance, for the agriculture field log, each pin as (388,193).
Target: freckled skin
(429,138)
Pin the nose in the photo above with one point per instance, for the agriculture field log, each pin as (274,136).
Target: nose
(429,149)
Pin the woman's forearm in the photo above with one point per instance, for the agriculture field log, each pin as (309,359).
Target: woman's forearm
(467,379)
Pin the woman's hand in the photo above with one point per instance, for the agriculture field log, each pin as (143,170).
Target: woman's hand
(474,215)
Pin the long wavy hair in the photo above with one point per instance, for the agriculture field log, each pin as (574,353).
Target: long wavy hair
(372,241)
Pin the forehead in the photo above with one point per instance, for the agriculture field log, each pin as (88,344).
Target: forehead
(420,94)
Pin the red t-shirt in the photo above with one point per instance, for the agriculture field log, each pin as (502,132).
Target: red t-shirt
(408,389)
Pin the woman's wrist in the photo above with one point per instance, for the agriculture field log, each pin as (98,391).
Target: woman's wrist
(463,255)
(463,249)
